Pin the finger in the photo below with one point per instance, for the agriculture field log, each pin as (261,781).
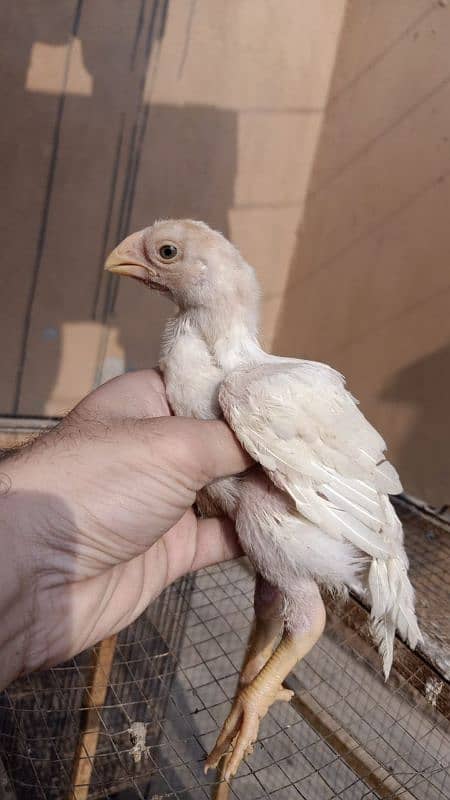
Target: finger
(216,542)
(201,450)
(188,548)
(219,450)
(102,605)
(136,394)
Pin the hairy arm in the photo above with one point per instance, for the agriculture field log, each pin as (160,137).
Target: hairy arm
(96,519)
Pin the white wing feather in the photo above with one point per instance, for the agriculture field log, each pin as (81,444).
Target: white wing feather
(298,421)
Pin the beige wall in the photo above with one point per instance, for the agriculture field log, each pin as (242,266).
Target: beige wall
(369,283)
(314,134)
(236,97)
(130,111)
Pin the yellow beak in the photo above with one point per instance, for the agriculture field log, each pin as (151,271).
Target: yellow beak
(126,264)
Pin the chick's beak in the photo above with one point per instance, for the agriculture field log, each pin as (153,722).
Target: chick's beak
(128,259)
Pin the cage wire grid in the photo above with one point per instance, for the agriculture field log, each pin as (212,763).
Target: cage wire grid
(138,722)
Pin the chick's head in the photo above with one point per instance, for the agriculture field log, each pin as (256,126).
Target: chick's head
(195,265)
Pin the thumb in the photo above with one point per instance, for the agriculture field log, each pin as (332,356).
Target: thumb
(218,451)
(202,450)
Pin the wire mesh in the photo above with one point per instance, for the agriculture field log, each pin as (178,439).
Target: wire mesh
(168,688)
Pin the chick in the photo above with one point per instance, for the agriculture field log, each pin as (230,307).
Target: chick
(314,512)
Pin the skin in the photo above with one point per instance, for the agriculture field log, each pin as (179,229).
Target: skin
(97,519)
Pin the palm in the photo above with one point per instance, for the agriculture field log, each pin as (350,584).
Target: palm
(126,525)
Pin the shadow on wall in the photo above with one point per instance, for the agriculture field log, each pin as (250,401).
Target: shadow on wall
(86,161)
(361,293)
(423,459)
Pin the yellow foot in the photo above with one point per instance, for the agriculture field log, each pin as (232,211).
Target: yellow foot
(240,729)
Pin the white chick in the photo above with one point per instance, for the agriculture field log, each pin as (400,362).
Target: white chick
(314,512)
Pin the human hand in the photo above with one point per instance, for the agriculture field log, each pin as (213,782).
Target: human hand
(100,515)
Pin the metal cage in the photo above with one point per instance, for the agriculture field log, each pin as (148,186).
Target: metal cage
(135,716)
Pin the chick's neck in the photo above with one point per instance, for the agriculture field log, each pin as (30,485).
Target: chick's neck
(230,332)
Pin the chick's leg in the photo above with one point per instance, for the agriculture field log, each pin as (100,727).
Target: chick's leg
(265,631)
(304,621)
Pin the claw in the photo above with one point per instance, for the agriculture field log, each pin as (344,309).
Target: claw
(240,730)
(285,695)
(226,736)
(245,739)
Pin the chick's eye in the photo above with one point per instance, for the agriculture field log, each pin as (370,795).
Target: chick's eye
(168,252)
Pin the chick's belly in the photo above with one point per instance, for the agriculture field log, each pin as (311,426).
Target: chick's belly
(283,545)
(219,498)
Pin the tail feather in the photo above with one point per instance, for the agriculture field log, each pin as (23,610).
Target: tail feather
(392,600)
(406,620)
(383,631)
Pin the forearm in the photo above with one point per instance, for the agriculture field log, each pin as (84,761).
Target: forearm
(38,538)
(16,581)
